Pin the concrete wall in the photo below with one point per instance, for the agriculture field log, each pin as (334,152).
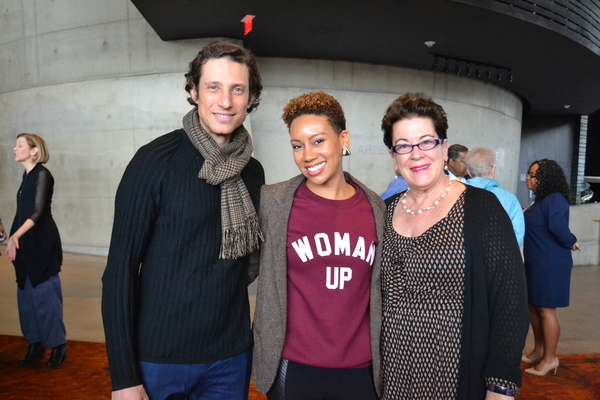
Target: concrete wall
(96,83)
(478,114)
(587,232)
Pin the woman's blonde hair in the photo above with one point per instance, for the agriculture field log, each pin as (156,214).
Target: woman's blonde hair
(32,140)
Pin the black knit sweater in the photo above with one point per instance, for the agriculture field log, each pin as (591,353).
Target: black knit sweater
(167,298)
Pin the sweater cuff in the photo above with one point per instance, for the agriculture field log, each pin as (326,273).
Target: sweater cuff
(119,383)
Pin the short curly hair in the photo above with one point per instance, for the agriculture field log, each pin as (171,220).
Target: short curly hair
(316,103)
(550,179)
(233,52)
(413,105)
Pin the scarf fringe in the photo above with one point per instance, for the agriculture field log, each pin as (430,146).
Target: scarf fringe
(239,241)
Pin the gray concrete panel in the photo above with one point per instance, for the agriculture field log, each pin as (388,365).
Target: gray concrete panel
(96,51)
(11,21)
(64,15)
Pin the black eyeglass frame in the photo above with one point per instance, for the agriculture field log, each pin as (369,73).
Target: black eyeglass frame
(531,176)
(437,141)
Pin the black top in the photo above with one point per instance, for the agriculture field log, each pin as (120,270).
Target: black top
(167,297)
(495,315)
(40,252)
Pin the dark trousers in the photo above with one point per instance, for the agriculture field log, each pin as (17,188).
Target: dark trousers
(302,382)
(41,313)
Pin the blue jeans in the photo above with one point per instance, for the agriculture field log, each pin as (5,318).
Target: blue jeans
(226,379)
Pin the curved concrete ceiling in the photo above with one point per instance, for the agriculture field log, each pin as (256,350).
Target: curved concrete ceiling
(549,70)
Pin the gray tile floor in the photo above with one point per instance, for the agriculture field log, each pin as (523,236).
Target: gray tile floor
(81,281)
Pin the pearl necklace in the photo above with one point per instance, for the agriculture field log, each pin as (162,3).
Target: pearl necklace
(435,204)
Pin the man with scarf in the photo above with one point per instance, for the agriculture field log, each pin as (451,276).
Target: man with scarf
(174,300)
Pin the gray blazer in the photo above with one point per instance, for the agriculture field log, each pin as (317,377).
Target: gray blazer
(270,317)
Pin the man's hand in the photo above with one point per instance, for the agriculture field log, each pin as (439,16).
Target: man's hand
(132,393)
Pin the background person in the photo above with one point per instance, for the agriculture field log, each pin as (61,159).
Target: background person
(35,249)
(548,260)
(481,166)
(457,168)
(318,307)
(451,273)
(2,232)
(174,299)
(397,185)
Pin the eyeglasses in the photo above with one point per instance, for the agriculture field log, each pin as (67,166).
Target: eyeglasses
(425,145)
(530,176)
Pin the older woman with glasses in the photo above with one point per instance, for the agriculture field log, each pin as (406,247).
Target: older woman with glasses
(453,287)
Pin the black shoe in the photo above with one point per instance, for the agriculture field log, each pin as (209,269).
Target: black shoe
(35,351)
(57,356)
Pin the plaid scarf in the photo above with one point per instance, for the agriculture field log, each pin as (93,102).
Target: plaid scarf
(222,166)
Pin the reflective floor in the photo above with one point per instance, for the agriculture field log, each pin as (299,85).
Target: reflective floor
(81,282)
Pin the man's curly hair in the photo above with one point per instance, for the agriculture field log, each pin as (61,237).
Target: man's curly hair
(316,103)
(550,179)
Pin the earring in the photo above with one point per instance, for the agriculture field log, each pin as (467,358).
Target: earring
(445,167)
(346,152)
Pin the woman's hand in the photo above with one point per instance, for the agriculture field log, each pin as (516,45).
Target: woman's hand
(575,247)
(11,248)
(13,242)
(496,396)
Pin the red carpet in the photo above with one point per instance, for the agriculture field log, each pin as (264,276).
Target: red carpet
(84,375)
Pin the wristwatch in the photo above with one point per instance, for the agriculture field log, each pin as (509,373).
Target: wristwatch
(500,389)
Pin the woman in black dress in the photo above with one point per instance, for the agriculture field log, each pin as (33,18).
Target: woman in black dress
(35,249)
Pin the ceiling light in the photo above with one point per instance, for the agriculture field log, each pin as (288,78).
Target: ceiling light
(429,43)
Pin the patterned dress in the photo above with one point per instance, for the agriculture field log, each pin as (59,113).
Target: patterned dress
(423,282)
